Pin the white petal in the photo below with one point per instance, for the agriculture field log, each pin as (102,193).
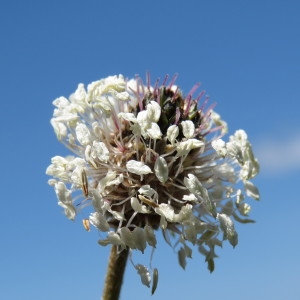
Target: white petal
(61,102)
(144,273)
(65,200)
(190,197)
(100,151)
(219,122)
(185,216)
(128,117)
(104,182)
(58,168)
(185,147)
(139,238)
(79,95)
(239,197)
(146,190)
(143,121)
(161,169)
(127,237)
(153,111)
(195,187)
(99,221)
(190,233)
(163,222)
(97,201)
(251,190)
(123,96)
(138,207)
(83,134)
(137,167)
(60,129)
(150,236)
(118,215)
(112,238)
(220,147)
(165,210)
(188,129)
(154,131)
(241,135)
(244,209)
(172,133)
(227,227)
(193,184)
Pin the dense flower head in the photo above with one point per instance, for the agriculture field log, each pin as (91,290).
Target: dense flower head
(150,158)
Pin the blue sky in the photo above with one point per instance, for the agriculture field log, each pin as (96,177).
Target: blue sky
(246,54)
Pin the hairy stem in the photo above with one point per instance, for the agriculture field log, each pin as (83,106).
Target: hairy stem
(115,273)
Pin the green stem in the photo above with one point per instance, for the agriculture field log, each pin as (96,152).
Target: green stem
(115,273)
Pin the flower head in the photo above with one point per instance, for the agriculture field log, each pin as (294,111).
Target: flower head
(151,158)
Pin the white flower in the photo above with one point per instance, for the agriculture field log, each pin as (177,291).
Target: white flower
(147,159)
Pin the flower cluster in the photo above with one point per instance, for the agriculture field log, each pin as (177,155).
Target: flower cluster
(149,158)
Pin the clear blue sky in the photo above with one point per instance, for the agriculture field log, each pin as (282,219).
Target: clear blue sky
(247,56)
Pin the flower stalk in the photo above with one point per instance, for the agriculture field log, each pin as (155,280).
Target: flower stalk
(115,273)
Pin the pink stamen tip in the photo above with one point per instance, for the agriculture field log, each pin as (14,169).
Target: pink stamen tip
(138,92)
(202,93)
(175,93)
(165,80)
(155,91)
(173,81)
(189,98)
(204,103)
(194,88)
(177,116)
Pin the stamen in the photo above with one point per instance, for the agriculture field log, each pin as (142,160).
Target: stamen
(156,89)
(121,202)
(173,198)
(85,186)
(165,80)
(131,219)
(189,99)
(177,116)
(173,80)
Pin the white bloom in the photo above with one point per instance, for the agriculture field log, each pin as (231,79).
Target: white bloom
(147,159)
